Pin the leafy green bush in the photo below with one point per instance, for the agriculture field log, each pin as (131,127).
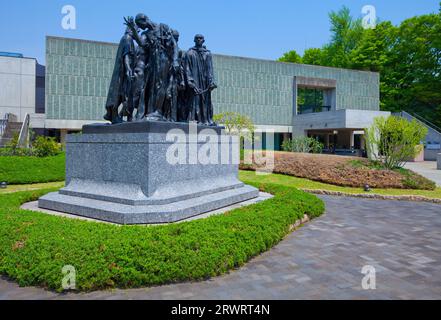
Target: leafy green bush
(302,144)
(45,147)
(35,246)
(394,140)
(41,147)
(23,170)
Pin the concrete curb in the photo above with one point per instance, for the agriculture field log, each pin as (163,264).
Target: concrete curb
(296,225)
(374,196)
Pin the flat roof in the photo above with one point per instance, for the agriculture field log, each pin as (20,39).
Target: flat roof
(11,54)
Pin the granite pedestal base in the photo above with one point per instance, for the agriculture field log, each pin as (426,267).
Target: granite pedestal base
(138,173)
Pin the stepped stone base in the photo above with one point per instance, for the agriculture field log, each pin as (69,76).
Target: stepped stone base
(123,173)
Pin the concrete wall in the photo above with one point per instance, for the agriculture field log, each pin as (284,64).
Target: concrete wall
(431,154)
(78,74)
(351,119)
(17,86)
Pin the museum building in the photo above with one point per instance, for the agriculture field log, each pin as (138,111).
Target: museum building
(334,105)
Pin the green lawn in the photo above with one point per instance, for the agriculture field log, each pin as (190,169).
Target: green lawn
(32,186)
(34,246)
(290,181)
(25,170)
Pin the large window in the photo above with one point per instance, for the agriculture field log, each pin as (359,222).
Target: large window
(310,100)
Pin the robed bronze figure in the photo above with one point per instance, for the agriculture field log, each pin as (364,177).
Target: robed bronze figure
(160,81)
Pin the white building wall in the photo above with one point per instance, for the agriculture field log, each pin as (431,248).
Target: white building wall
(17,86)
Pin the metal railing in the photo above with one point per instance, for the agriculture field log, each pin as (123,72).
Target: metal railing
(3,124)
(424,121)
(23,138)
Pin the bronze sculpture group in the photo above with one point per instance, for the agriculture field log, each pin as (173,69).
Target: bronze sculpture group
(157,79)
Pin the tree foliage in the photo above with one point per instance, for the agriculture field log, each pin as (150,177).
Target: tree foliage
(291,56)
(313,56)
(236,123)
(346,33)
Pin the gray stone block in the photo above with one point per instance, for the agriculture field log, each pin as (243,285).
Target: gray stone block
(438,161)
(127,177)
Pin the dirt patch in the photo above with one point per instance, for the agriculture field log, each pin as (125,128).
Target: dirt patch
(18,245)
(344,171)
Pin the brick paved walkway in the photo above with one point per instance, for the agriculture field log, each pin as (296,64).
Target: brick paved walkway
(322,260)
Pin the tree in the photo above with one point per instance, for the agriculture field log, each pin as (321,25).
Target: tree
(313,56)
(417,64)
(291,56)
(236,123)
(374,53)
(394,140)
(374,48)
(346,34)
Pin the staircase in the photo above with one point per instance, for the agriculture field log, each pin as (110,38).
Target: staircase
(433,138)
(9,128)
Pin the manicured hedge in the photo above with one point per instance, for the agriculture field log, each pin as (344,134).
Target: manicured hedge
(23,170)
(34,246)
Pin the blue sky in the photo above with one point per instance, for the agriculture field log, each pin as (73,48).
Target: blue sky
(259,29)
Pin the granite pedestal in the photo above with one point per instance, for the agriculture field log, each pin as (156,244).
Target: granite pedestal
(438,161)
(141,172)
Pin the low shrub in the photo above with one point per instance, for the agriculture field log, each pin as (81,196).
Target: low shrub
(302,144)
(45,147)
(34,246)
(42,146)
